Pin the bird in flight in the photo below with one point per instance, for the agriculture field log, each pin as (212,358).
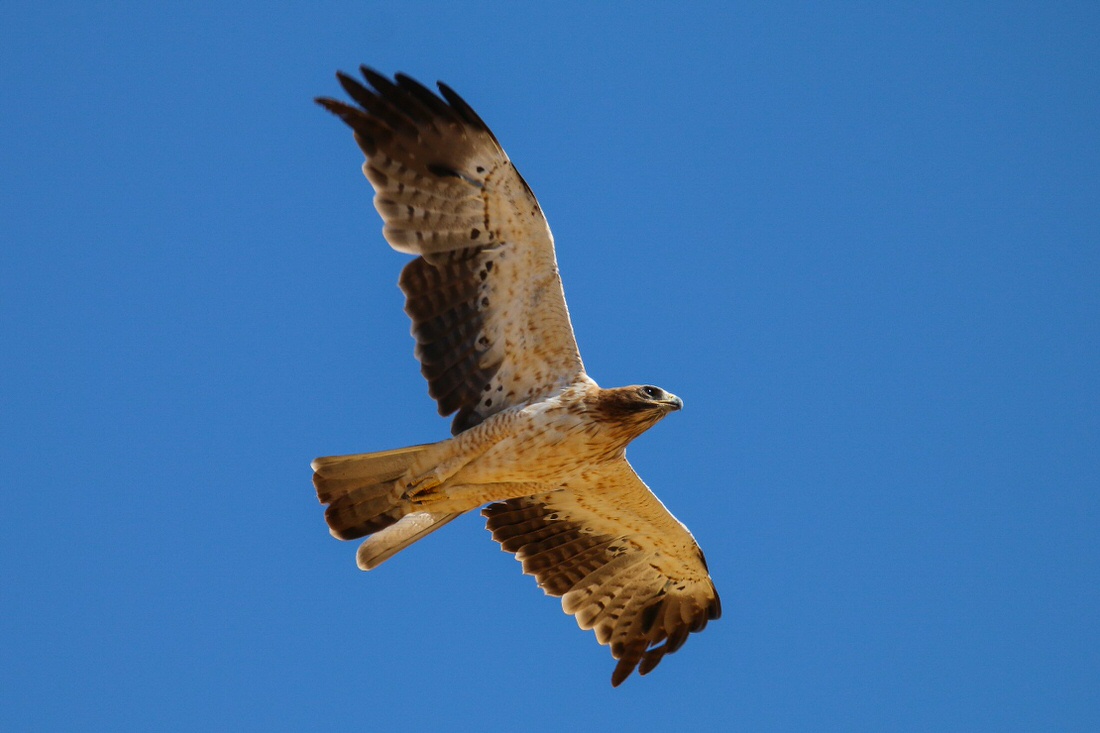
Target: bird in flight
(536,441)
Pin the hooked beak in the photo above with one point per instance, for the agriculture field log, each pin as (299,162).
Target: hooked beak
(674,403)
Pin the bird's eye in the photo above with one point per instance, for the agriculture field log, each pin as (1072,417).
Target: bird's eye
(653,392)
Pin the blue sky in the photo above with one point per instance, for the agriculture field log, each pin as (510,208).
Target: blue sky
(862,243)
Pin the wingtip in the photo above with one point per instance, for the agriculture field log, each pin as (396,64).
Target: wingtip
(619,675)
(334,106)
(369,71)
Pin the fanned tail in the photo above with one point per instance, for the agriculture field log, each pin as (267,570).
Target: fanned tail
(364,492)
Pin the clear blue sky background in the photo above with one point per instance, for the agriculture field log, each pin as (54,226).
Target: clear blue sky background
(863,244)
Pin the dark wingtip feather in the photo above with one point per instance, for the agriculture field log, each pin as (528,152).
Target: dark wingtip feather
(650,661)
(464,110)
(399,96)
(622,670)
(427,97)
(334,106)
(355,90)
(376,78)
(715,609)
(407,82)
(385,88)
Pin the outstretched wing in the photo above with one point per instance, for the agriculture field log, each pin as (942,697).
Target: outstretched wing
(486,302)
(622,564)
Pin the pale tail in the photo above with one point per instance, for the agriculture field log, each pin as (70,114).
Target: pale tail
(385,544)
(364,497)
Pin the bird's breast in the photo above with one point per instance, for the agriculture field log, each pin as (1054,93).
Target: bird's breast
(544,444)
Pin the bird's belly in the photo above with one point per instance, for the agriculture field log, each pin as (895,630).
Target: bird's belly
(550,452)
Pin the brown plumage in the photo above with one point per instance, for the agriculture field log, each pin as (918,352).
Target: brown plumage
(534,437)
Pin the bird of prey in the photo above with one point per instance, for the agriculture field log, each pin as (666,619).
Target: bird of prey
(534,437)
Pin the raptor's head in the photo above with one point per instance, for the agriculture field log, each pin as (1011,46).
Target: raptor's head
(637,408)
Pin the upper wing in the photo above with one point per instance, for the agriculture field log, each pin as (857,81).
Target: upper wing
(484,295)
(623,565)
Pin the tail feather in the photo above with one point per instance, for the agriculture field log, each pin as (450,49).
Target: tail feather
(363,492)
(385,544)
(365,510)
(383,466)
